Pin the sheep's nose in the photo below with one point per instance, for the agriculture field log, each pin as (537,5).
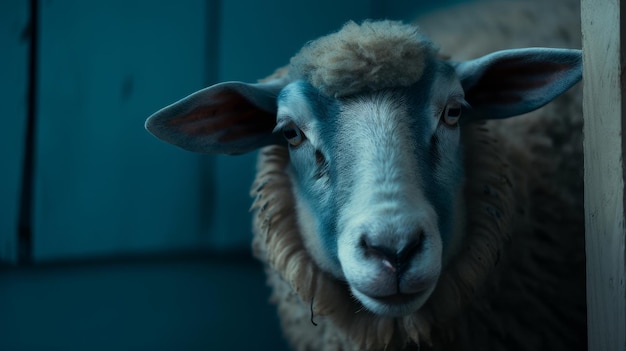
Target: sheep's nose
(394,258)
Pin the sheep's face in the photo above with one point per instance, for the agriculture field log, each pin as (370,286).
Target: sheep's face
(376,177)
(371,119)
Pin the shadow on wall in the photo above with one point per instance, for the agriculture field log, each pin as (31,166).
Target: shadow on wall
(176,303)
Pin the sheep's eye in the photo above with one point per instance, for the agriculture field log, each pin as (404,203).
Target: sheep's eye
(451,115)
(293,135)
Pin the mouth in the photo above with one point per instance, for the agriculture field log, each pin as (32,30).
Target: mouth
(399,299)
(395,305)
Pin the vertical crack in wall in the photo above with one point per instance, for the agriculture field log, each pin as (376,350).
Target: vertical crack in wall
(25,218)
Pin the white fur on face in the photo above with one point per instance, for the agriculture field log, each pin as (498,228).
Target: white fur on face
(386,212)
(371,223)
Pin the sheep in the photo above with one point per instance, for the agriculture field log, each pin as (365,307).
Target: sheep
(397,206)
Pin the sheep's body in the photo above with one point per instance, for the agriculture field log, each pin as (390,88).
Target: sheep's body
(534,299)
(388,213)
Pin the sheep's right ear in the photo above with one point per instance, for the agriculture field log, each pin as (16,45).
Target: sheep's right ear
(226,118)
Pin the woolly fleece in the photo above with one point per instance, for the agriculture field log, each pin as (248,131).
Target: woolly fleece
(366,57)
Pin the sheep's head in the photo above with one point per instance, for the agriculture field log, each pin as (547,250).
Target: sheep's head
(371,117)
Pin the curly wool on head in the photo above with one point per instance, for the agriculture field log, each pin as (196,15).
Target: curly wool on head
(366,57)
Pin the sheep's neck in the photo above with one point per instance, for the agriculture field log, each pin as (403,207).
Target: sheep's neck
(460,228)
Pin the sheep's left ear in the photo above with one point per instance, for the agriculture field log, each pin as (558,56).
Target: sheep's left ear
(513,82)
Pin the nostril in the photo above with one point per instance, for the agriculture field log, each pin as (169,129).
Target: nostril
(392,257)
(387,254)
(379,250)
(407,253)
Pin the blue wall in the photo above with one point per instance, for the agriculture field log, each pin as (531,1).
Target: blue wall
(117,213)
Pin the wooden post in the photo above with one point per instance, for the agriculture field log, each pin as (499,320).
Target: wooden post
(603,107)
